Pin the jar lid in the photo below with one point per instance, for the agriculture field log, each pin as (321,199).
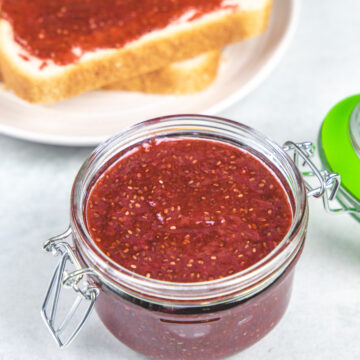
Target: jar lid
(340,143)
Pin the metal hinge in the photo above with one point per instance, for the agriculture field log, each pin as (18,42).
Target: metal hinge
(326,184)
(68,274)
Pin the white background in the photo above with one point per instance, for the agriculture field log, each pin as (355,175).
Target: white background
(321,67)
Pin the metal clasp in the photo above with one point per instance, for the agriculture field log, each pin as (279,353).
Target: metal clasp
(68,274)
(328,183)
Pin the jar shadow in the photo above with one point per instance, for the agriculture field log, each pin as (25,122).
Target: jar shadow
(332,242)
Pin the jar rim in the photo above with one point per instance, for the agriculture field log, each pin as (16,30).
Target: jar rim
(243,283)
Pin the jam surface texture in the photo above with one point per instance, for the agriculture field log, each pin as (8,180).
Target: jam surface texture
(63,30)
(187,210)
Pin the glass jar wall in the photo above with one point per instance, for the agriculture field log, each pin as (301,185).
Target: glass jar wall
(206,320)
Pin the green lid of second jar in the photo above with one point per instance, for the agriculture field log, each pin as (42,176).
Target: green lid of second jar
(339,143)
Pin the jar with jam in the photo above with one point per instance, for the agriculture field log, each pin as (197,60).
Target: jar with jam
(184,236)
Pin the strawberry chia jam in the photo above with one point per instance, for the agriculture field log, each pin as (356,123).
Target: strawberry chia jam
(64,30)
(190,228)
(187,210)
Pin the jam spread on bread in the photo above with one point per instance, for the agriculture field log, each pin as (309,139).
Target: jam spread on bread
(61,31)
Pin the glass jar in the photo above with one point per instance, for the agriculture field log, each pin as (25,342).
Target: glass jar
(165,320)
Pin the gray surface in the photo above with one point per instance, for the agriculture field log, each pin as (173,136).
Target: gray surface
(323,320)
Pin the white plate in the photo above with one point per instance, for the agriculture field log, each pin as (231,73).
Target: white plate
(92,117)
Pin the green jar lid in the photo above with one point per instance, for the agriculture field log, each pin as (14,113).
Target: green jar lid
(338,142)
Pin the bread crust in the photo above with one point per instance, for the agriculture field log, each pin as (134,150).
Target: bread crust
(174,78)
(135,59)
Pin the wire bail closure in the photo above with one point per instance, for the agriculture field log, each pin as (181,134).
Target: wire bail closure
(328,183)
(78,279)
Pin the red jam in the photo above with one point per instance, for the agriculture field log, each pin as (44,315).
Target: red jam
(53,29)
(187,210)
(205,333)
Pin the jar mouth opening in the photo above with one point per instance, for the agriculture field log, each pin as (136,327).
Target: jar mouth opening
(246,281)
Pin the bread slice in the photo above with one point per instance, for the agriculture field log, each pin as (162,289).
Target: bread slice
(182,77)
(180,40)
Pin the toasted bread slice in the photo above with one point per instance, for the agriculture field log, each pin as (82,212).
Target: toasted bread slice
(182,77)
(27,76)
